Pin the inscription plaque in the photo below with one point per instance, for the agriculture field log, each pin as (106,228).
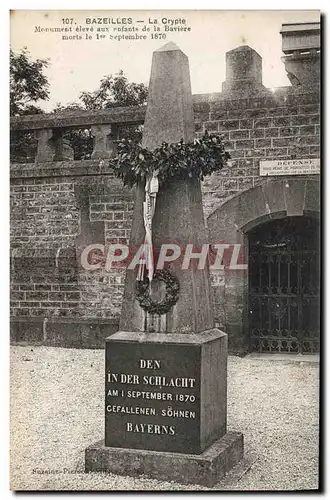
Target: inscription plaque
(290,167)
(152,396)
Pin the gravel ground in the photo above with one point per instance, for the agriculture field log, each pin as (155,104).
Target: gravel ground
(57,411)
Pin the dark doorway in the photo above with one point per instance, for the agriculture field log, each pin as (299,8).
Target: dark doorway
(284,286)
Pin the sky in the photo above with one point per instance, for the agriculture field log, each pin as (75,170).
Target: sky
(79,65)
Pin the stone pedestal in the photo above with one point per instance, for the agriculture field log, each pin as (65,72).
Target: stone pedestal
(205,469)
(165,392)
(166,407)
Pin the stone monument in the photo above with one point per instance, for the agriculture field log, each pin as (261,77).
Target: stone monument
(166,376)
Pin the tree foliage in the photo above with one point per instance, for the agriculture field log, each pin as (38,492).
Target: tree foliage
(28,84)
(114,91)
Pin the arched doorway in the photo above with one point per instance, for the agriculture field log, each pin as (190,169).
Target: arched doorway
(279,206)
(284,284)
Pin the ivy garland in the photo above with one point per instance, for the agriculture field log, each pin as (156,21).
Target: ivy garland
(181,160)
(171,295)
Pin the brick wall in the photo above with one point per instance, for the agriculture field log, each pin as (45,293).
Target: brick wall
(51,221)
(283,125)
(58,209)
(116,212)
(43,213)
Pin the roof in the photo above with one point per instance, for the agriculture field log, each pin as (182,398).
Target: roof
(300,27)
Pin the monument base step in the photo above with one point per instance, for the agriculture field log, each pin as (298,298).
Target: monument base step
(205,469)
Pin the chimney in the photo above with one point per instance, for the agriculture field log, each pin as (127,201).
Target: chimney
(301,44)
(243,72)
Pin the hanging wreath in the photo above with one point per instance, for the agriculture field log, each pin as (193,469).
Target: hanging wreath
(171,294)
(193,160)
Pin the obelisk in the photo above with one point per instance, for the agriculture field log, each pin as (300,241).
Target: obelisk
(166,390)
(178,216)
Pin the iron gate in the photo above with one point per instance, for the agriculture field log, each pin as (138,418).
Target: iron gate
(284,284)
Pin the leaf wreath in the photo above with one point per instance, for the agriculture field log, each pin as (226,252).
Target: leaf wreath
(174,161)
(171,294)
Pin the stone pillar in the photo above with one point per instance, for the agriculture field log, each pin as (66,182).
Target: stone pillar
(46,145)
(171,383)
(169,115)
(62,146)
(178,216)
(104,145)
(52,146)
(243,72)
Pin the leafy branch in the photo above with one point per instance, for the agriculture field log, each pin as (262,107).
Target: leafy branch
(181,160)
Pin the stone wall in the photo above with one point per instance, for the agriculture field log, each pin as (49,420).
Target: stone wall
(57,208)
(282,125)
(52,219)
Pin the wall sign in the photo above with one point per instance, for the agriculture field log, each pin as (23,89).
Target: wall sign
(290,167)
